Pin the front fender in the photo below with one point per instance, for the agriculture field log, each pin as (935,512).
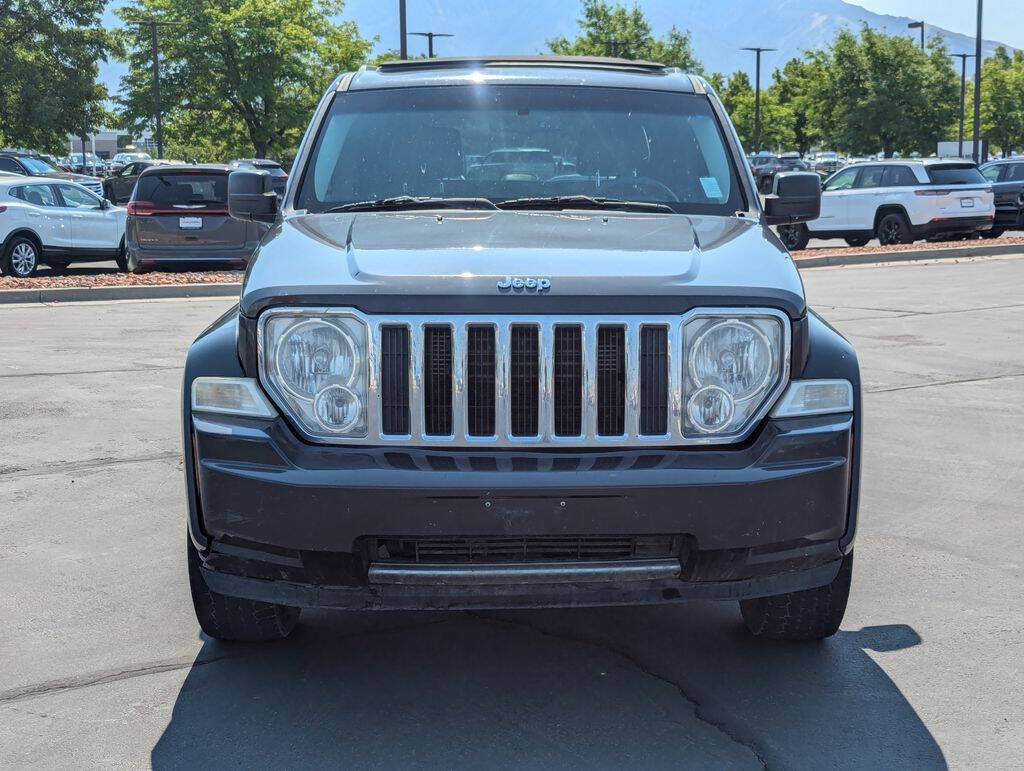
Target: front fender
(214,353)
(830,355)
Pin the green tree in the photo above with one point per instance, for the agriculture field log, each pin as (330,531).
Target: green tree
(738,98)
(791,90)
(236,73)
(1002,101)
(49,54)
(614,30)
(876,91)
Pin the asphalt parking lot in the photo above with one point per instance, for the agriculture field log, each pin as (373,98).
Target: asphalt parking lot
(103,664)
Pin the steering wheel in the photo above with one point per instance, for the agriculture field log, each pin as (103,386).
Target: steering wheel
(630,187)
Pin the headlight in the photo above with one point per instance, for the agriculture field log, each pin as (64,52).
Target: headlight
(314,363)
(733,365)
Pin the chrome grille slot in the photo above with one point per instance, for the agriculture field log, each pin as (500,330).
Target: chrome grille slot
(528,381)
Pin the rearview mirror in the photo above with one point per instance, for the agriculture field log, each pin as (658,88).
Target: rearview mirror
(251,196)
(795,197)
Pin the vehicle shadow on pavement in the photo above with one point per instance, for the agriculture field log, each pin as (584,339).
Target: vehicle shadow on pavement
(680,685)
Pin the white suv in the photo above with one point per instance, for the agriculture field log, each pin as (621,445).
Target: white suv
(55,222)
(898,202)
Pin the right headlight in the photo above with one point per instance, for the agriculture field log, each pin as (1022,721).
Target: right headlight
(315,363)
(734,364)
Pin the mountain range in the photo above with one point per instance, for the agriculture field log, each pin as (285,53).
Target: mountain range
(719,28)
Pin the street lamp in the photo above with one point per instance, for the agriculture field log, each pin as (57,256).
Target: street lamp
(757,95)
(963,88)
(915,25)
(977,89)
(153,24)
(402,45)
(430,40)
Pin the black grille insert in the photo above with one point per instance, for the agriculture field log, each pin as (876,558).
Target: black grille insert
(525,376)
(521,549)
(394,380)
(653,380)
(480,381)
(437,380)
(611,381)
(568,377)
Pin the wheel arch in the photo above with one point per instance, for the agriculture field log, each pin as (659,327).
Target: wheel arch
(27,232)
(886,209)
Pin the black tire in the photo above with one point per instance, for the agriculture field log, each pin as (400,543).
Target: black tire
(812,614)
(234,618)
(993,233)
(857,240)
(894,229)
(794,237)
(121,259)
(21,257)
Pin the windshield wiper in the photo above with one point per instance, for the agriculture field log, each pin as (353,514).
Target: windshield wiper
(584,202)
(411,203)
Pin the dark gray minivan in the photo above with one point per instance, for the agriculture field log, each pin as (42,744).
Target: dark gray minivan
(178,218)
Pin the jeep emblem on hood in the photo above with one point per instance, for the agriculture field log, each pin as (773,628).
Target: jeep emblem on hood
(515,284)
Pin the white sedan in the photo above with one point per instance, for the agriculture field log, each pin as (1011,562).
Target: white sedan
(55,222)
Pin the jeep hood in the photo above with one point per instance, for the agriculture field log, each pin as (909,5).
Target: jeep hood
(458,259)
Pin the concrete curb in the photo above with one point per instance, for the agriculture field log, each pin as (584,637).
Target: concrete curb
(84,293)
(906,255)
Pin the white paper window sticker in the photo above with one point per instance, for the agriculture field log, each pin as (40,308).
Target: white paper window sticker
(711,188)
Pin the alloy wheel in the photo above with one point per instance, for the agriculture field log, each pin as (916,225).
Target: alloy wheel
(892,232)
(23,259)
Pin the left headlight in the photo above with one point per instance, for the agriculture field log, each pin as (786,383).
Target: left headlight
(314,362)
(734,364)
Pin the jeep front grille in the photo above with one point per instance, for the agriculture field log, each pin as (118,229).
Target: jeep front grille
(521,380)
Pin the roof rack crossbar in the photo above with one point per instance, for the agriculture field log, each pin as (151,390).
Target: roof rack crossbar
(521,61)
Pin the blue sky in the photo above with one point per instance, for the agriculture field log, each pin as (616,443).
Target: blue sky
(1002,19)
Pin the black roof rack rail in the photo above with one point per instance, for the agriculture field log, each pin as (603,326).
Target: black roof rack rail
(453,62)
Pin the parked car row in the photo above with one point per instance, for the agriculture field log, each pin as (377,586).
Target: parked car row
(177,216)
(900,201)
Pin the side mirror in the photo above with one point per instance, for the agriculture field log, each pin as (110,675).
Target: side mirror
(251,196)
(795,197)
(104,204)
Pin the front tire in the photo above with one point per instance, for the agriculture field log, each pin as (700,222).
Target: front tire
(121,259)
(811,614)
(21,258)
(894,229)
(794,237)
(857,240)
(233,618)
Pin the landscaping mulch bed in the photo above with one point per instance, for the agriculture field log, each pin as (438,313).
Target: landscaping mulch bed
(917,246)
(73,280)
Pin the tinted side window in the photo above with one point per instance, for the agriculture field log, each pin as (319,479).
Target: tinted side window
(9,164)
(1015,173)
(954,175)
(898,176)
(40,195)
(991,173)
(77,198)
(870,177)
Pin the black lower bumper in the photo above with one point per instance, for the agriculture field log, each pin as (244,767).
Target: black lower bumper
(288,522)
(950,225)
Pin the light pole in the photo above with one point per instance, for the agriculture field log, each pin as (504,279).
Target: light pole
(977,89)
(402,45)
(915,25)
(430,40)
(757,95)
(963,92)
(153,25)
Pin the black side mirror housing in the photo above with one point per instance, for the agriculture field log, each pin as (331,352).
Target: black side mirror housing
(251,196)
(104,204)
(795,197)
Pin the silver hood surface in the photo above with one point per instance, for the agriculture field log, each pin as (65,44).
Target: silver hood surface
(458,258)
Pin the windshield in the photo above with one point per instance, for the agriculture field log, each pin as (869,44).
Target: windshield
(510,142)
(37,166)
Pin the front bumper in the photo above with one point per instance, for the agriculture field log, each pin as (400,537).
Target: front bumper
(283,521)
(1009,217)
